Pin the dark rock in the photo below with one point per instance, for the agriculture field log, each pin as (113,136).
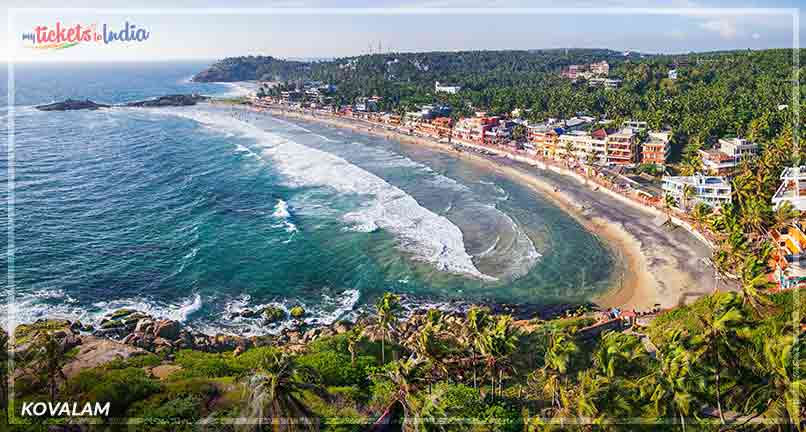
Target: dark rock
(249,313)
(70,105)
(167,329)
(272,314)
(170,100)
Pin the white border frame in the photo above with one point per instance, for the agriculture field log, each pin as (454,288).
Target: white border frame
(793,13)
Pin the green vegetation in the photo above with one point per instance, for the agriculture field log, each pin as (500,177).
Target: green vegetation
(719,364)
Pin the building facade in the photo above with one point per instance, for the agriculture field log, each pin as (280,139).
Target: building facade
(712,190)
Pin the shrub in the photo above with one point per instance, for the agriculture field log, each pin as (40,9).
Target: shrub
(202,364)
(335,369)
(120,387)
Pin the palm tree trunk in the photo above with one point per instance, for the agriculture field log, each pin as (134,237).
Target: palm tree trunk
(475,384)
(718,388)
(383,349)
(682,421)
(500,383)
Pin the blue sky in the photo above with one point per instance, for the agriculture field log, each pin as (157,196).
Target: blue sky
(599,24)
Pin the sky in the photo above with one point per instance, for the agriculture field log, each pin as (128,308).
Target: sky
(183,29)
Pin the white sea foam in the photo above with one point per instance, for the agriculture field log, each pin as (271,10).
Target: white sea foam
(281,211)
(238,89)
(29,307)
(428,236)
(327,311)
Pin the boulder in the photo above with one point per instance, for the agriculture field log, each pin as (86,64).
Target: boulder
(297,312)
(273,314)
(167,329)
(95,351)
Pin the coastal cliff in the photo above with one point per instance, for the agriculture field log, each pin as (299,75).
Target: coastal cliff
(250,68)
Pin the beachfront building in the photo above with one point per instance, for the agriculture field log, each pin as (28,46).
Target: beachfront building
(583,145)
(656,149)
(712,190)
(439,127)
(789,256)
(622,147)
(792,189)
(473,129)
(545,139)
(727,155)
(444,88)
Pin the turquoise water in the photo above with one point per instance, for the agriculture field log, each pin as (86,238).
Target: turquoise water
(196,213)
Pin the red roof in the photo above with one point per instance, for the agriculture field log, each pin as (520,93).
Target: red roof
(599,134)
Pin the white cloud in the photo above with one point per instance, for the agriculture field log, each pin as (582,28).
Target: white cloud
(726,28)
(755,36)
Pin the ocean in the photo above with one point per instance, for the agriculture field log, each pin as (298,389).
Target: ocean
(197,213)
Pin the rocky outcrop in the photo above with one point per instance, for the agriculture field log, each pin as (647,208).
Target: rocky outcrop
(170,100)
(71,104)
(95,351)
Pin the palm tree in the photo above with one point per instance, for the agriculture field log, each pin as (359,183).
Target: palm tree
(782,387)
(755,284)
(388,307)
(669,388)
(618,352)
(722,324)
(498,343)
(49,360)
(669,202)
(784,215)
(354,338)
(701,214)
(688,193)
(559,351)
(691,166)
(476,322)
(404,376)
(272,395)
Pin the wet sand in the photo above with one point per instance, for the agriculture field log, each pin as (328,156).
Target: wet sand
(656,263)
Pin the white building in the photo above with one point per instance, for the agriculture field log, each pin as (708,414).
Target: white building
(725,159)
(792,189)
(446,88)
(711,190)
(609,83)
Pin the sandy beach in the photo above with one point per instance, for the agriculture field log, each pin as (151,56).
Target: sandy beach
(656,263)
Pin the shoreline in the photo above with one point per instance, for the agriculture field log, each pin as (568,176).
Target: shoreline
(647,277)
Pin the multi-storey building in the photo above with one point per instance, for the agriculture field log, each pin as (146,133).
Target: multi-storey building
(544,139)
(792,189)
(601,68)
(622,147)
(584,145)
(724,159)
(712,190)
(473,129)
(656,149)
